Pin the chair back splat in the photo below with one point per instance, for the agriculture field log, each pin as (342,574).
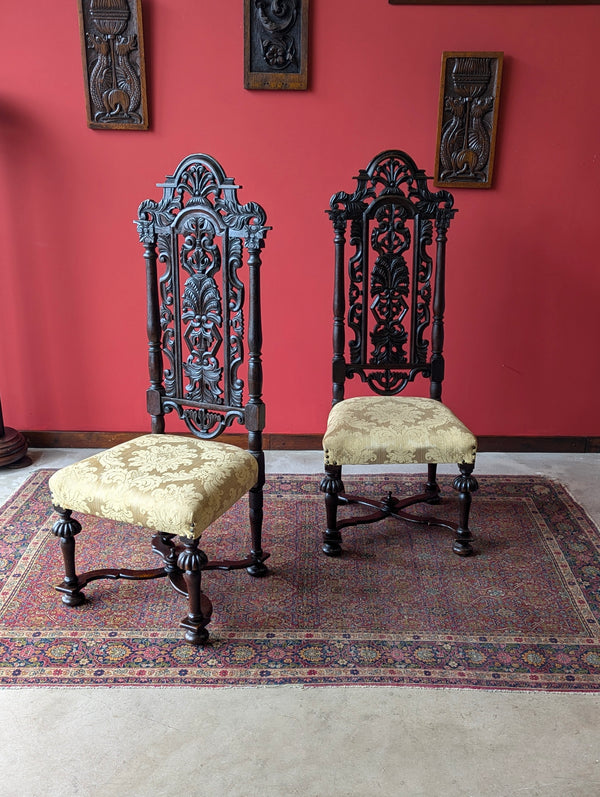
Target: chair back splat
(202,252)
(196,309)
(395,278)
(388,329)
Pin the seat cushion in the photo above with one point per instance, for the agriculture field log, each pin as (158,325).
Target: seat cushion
(168,483)
(397,430)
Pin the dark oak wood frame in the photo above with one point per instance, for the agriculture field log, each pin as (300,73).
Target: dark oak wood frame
(128,40)
(488,122)
(275,79)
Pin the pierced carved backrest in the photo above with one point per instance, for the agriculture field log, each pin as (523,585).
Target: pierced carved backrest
(390,239)
(203,303)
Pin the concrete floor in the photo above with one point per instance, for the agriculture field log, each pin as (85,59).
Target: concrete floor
(317,742)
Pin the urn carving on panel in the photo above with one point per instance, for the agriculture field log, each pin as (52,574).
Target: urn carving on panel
(112,48)
(467,124)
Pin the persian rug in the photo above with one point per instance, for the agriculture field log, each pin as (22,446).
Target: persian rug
(399,608)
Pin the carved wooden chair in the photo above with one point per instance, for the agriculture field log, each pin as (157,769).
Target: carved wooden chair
(393,283)
(198,308)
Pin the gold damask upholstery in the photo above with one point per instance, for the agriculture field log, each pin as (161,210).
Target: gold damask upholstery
(176,485)
(387,430)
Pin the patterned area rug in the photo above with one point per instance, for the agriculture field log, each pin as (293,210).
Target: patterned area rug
(397,608)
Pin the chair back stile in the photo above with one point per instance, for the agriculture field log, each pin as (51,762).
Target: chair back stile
(155,361)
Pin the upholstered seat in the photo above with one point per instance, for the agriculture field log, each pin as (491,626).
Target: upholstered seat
(396,430)
(176,485)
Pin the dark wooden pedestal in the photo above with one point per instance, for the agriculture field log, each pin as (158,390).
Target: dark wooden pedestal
(13,446)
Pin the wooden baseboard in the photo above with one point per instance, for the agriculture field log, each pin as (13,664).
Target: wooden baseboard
(312,442)
(572,445)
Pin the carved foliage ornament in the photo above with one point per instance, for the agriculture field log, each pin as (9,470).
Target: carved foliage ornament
(468,119)
(199,228)
(113,64)
(389,299)
(275,44)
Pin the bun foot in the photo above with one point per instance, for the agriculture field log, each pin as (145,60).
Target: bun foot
(258,570)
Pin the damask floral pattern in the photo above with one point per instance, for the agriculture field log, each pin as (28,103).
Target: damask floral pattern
(380,430)
(168,483)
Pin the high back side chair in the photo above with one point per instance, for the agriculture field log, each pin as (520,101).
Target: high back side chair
(204,316)
(388,331)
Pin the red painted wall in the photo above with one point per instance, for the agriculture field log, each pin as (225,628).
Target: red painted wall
(523,284)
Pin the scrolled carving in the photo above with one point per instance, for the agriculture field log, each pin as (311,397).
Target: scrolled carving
(277,18)
(199,182)
(275,44)
(387,381)
(199,229)
(390,281)
(389,286)
(355,298)
(392,174)
(235,322)
(423,302)
(202,312)
(243,217)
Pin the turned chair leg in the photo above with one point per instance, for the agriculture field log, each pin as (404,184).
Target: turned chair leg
(432,488)
(332,485)
(465,484)
(255,499)
(65,529)
(191,561)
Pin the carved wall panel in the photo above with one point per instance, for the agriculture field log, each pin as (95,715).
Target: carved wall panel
(468,119)
(112,47)
(275,44)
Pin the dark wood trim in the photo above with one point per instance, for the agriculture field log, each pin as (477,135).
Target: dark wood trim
(516,444)
(493,2)
(312,442)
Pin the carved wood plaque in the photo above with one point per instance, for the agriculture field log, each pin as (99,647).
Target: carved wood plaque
(112,48)
(467,119)
(275,44)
